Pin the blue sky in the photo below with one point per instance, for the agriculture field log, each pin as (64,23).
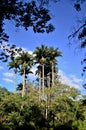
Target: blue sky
(64,17)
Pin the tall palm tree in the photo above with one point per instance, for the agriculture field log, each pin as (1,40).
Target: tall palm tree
(40,58)
(14,65)
(53,53)
(25,62)
(46,58)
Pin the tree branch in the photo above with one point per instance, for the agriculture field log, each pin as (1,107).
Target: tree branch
(75,33)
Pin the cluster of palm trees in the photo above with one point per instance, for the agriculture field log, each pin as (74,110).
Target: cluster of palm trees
(22,64)
(45,58)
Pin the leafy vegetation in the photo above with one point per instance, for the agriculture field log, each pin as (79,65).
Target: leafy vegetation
(64,111)
(49,105)
(25,14)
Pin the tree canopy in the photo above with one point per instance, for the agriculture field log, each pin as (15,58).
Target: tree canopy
(62,107)
(66,110)
(26,14)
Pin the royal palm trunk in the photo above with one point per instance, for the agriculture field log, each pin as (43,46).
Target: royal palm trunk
(52,74)
(24,82)
(39,85)
(43,81)
(14,82)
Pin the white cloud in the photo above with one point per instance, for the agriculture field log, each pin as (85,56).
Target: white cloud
(26,50)
(8,74)
(1,67)
(8,80)
(33,76)
(75,79)
(70,80)
(34,68)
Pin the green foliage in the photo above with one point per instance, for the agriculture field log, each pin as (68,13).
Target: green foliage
(20,113)
(3,91)
(64,109)
(79,124)
(26,14)
(63,102)
(46,55)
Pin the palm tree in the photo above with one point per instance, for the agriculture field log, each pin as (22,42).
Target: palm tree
(46,58)
(14,65)
(25,62)
(53,53)
(40,58)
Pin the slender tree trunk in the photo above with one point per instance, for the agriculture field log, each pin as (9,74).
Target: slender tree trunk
(14,82)
(43,81)
(46,105)
(52,74)
(23,89)
(39,85)
(49,96)
(49,80)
